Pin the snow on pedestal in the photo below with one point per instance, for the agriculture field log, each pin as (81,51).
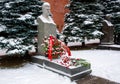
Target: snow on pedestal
(74,73)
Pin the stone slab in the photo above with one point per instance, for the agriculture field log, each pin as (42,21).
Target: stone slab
(37,60)
(72,73)
(109,47)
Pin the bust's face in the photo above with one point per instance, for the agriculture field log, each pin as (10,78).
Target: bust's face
(46,9)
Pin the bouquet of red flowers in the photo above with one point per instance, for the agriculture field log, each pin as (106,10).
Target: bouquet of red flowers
(58,49)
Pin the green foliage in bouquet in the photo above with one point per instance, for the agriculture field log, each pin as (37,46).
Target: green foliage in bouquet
(81,62)
(57,47)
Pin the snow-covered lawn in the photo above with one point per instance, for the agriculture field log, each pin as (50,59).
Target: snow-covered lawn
(105,63)
(31,74)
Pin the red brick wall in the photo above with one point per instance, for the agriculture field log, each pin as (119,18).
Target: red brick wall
(58,10)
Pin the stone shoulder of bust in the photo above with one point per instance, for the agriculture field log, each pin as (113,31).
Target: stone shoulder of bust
(46,20)
(108,23)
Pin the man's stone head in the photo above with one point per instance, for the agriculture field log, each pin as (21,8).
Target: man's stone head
(46,9)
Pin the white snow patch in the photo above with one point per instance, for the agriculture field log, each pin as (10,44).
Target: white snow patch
(88,22)
(19,1)
(104,63)
(118,46)
(26,16)
(118,0)
(2,27)
(31,74)
(2,52)
(118,12)
(82,15)
(21,49)
(74,39)
(35,22)
(7,5)
(17,42)
(108,23)
(91,41)
(97,33)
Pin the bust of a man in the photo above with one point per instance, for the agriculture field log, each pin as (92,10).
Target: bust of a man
(46,14)
(46,26)
(108,30)
(107,20)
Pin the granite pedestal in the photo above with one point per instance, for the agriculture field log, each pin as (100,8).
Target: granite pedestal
(45,29)
(73,73)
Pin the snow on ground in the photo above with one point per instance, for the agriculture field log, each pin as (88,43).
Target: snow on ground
(31,74)
(105,63)
(91,41)
(2,52)
(117,46)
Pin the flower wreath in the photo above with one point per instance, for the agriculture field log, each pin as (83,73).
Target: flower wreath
(54,48)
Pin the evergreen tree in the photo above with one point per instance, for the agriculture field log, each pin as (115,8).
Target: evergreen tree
(113,7)
(83,21)
(110,6)
(17,23)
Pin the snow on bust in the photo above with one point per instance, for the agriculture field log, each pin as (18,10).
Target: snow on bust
(46,15)
(107,20)
(108,23)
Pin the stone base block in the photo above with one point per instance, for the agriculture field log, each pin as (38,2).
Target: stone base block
(109,47)
(72,73)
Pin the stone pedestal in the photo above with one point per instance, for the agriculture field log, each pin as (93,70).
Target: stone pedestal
(109,47)
(44,29)
(73,73)
(108,31)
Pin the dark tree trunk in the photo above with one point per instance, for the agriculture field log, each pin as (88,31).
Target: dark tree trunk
(117,39)
(83,44)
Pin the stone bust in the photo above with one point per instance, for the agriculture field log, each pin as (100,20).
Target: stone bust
(108,30)
(46,14)
(46,26)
